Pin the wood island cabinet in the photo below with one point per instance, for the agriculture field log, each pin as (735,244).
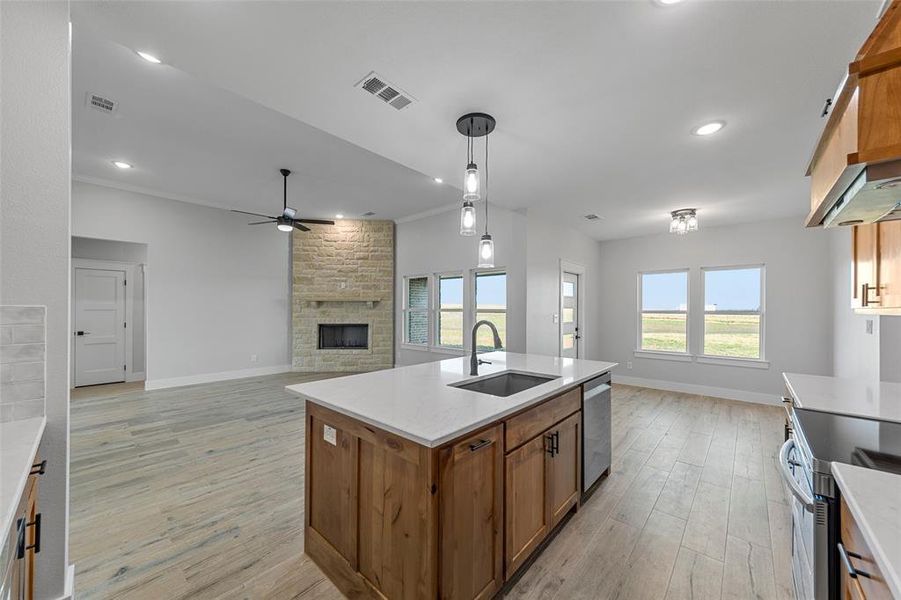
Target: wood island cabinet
(869,584)
(389,518)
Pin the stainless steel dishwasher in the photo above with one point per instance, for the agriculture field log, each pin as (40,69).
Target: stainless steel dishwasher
(596,435)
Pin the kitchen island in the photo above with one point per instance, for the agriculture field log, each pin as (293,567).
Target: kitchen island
(419,488)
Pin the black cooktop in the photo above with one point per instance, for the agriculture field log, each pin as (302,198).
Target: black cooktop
(852,440)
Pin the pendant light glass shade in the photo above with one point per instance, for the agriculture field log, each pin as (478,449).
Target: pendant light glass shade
(693,222)
(682,228)
(674,225)
(471,183)
(486,252)
(468,219)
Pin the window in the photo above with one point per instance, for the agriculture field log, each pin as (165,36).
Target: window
(416,311)
(491,305)
(450,311)
(733,312)
(663,323)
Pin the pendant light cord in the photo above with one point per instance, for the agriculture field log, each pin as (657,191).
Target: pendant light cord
(486,183)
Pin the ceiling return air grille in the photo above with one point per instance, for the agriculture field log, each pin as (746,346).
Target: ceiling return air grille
(98,102)
(386,91)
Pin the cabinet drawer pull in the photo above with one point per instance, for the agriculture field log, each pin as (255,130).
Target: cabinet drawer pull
(480,444)
(39,468)
(846,558)
(21,547)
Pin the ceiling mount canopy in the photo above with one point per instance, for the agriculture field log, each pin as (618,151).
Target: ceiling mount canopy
(476,124)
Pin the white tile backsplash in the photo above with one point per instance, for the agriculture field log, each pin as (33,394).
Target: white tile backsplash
(22,355)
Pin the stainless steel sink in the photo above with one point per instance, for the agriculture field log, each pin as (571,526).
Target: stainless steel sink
(505,383)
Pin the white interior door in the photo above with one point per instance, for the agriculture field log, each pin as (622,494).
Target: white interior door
(569,319)
(99,326)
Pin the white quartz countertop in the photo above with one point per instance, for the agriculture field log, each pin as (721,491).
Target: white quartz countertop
(416,402)
(19,441)
(874,498)
(853,397)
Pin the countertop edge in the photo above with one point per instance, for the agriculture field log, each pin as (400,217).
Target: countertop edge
(462,431)
(21,476)
(892,576)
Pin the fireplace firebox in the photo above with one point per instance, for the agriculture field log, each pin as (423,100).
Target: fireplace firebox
(354,336)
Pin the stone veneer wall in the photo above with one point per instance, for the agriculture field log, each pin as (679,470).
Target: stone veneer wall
(343,267)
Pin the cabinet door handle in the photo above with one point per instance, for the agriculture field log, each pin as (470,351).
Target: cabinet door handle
(846,558)
(555,437)
(39,468)
(20,551)
(479,444)
(865,294)
(549,444)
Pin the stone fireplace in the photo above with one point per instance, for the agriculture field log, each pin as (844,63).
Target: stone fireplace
(343,297)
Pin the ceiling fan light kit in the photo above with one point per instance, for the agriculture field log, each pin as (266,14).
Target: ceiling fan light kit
(288,220)
(475,125)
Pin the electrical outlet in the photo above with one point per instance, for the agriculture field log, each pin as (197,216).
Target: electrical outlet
(629,364)
(254,358)
(870,326)
(556,318)
(342,285)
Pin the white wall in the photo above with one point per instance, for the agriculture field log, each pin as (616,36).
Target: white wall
(126,252)
(35,133)
(890,348)
(433,244)
(217,290)
(547,244)
(798,301)
(855,352)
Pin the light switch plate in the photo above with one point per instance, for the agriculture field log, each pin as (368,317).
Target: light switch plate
(330,435)
(870,326)
(556,317)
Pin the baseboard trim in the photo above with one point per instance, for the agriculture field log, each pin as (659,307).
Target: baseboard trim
(702,390)
(138,376)
(158,384)
(69,584)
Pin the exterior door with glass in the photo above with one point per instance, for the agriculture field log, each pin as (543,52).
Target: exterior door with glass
(569,319)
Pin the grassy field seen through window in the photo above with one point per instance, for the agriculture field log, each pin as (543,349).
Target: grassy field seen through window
(724,335)
(451,329)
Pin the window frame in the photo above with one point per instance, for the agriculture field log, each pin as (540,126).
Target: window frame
(676,355)
(406,309)
(474,312)
(726,359)
(435,325)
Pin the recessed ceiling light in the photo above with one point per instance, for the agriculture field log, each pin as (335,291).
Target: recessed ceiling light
(122,164)
(339,216)
(149,57)
(437,180)
(708,128)
(667,2)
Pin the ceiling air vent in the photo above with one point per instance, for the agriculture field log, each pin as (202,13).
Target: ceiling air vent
(98,102)
(383,89)
(592,217)
(368,214)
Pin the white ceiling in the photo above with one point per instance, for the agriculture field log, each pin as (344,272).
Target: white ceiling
(594,101)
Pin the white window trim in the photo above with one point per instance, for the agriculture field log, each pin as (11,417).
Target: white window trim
(435,320)
(716,359)
(682,356)
(470,319)
(406,309)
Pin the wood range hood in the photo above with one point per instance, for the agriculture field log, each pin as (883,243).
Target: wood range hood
(855,171)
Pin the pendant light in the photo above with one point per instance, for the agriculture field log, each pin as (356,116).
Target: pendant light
(474,125)
(486,244)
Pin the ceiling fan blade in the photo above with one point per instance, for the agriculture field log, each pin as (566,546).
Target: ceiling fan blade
(315,221)
(301,227)
(244,212)
(262,222)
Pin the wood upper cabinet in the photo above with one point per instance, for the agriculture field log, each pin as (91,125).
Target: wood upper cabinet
(542,483)
(876,265)
(864,125)
(471,479)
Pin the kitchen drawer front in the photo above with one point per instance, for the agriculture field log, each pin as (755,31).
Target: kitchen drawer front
(874,586)
(523,427)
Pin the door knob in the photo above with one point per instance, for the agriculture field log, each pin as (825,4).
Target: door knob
(82,333)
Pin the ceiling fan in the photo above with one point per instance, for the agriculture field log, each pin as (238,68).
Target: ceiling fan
(287,221)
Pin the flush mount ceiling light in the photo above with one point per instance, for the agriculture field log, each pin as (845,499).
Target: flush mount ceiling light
(339,216)
(121,164)
(148,57)
(708,128)
(683,221)
(474,125)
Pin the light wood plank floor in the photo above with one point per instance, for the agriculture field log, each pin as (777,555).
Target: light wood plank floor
(197,493)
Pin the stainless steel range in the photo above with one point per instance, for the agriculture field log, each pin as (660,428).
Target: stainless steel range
(815,440)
